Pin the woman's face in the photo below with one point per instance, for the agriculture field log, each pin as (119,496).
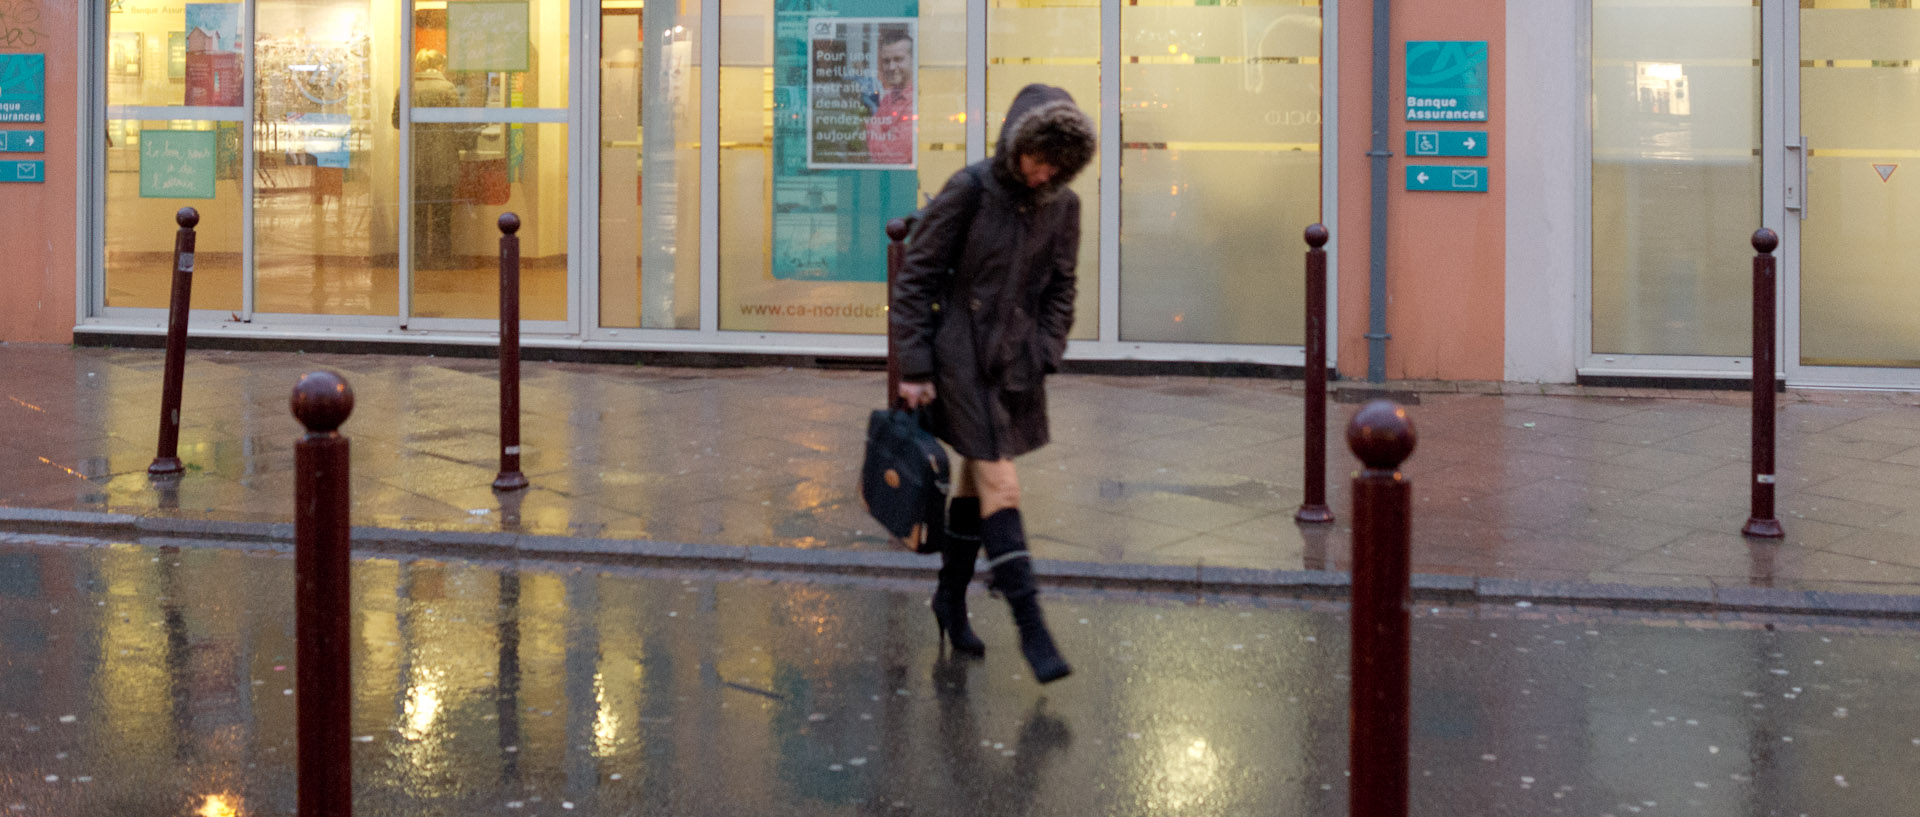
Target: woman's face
(1036,172)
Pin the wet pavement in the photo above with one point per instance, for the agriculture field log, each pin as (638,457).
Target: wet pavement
(158,681)
(1645,488)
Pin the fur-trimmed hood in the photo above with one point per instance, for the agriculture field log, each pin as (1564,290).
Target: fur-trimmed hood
(1043,120)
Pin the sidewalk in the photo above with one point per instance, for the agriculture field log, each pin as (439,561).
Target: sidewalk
(1155,475)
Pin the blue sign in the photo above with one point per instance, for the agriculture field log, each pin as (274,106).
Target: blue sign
(29,172)
(1447,81)
(23,141)
(23,87)
(1447,178)
(823,229)
(1446,143)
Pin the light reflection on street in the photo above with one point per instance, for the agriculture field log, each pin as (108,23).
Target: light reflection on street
(423,706)
(157,681)
(220,805)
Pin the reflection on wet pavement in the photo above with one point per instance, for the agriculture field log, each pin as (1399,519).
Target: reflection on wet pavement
(158,681)
(1634,487)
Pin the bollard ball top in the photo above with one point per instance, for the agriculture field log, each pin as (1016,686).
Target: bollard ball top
(509,223)
(1317,235)
(187,218)
(1381,435)
(897,229)
(1764,240)
(321,401)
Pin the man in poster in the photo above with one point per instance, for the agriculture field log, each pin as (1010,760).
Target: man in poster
(890,129)
(860,94)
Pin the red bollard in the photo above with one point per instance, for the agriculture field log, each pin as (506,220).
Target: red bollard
(1382,437)
(897,230)
(1760,521)
(509,478)
(1313,504)
(167,460)
(322,610)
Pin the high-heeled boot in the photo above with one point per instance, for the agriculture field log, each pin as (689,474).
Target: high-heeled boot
(960,545)
(1005,539)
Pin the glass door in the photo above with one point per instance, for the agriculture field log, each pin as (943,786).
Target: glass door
(486,126)
(1676,183)
(1852,150)
(324,159)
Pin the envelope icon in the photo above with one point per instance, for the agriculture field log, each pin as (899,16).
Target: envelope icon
(1466,178)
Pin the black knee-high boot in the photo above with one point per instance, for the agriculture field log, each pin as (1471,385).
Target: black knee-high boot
(957,552)
(1006,543)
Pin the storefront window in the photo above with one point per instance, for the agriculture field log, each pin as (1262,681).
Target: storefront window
(177,53)
(834,118)
(353,156)
(1056,42)
(154,168)
(480,70)
(1220,140)
(1676,144)
(162,157)
(325,158)
(649,164)
(508,167)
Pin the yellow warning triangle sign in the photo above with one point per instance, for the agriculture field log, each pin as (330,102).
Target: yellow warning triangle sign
(1885,171)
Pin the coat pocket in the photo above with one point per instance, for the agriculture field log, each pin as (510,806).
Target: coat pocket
(1027,365)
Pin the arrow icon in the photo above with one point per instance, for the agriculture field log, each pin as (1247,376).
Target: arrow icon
(1471,142)
(29,141)
(1422,177)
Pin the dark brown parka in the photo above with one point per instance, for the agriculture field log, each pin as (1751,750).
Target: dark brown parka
(984,299)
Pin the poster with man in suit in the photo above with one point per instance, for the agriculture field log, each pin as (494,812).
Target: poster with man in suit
(862,111)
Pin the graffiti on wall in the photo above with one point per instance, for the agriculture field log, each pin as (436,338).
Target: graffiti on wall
(19,23)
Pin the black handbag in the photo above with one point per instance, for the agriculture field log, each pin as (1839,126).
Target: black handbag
(904,479)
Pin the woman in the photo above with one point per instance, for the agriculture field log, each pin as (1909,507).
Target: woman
(436,162)
(980,314)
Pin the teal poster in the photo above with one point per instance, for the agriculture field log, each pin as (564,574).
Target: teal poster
(23,87)
(829,223)
(176,164)
(1447,81)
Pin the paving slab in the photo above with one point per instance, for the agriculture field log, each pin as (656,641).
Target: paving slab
(1586,494)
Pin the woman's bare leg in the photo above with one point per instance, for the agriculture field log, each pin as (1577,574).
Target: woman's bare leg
(995,482)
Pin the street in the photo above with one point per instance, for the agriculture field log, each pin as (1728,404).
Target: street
(157,680)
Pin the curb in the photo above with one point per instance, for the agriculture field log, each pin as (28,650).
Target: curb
(1316,584)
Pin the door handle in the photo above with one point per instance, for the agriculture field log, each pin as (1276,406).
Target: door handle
(1796,198)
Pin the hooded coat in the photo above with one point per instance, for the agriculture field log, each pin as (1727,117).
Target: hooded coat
(984,298)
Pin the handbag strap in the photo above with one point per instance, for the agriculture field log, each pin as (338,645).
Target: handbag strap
(978,191)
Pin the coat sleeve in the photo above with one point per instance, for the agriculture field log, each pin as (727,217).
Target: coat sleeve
(932,251)
(1056,300)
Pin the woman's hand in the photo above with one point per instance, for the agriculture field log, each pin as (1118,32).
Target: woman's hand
(916,394)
